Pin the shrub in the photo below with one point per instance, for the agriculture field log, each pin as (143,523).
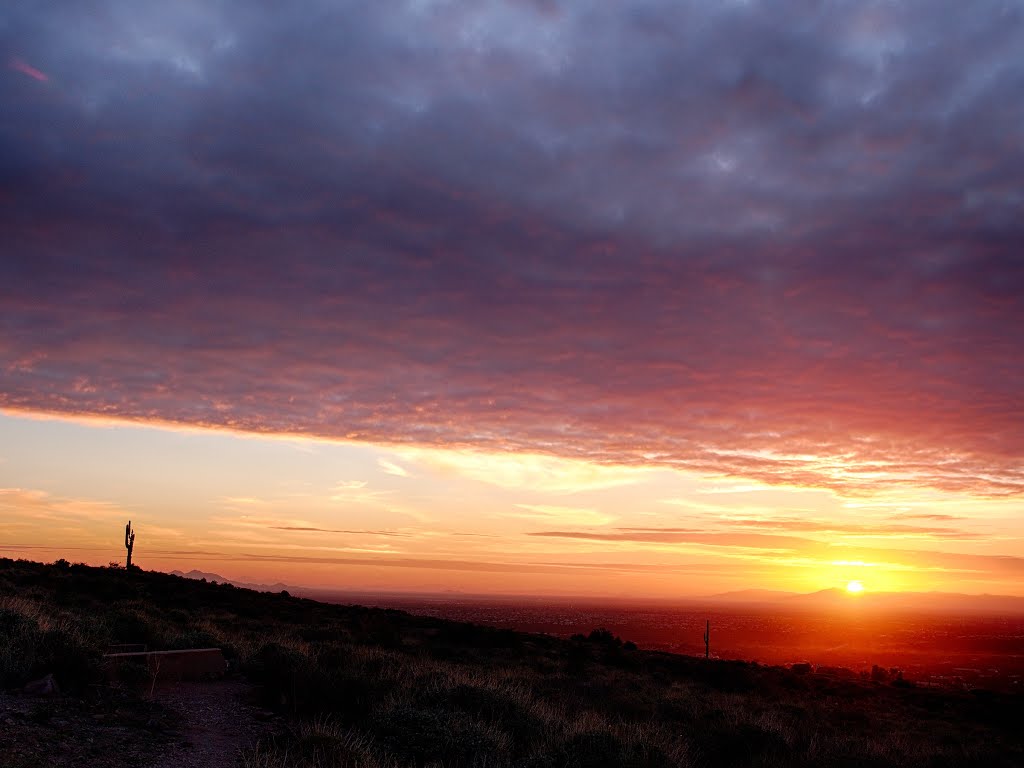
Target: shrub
(318,743)
(193,637)
(33,644)
(604,637)
(597,744)
(499,707)
(17,648)
(69,654)
(451,738)
(131,625)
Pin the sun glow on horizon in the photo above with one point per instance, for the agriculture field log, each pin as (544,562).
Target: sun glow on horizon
(323,513)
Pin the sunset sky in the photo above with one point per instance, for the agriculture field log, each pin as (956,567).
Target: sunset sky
(656,298)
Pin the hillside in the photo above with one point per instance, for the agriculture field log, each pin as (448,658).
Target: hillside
(373,688)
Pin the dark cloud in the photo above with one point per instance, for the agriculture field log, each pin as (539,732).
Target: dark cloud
(773,240)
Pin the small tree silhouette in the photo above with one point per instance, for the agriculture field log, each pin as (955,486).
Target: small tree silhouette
(129,543)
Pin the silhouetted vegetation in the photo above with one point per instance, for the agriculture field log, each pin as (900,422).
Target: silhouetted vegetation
(129,543)
(371,687)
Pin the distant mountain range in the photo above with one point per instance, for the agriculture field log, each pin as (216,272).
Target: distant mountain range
(944,602)
(199,575)
(754,596)
(825,599)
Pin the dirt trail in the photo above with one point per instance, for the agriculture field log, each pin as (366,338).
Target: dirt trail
(217,720)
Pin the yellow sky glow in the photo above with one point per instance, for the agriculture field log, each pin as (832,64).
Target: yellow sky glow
(362,516)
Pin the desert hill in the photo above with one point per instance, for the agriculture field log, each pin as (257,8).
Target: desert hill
(374,688)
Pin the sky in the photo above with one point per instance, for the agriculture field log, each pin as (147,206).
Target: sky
(643,298)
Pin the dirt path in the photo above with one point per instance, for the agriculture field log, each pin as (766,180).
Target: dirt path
(217,720)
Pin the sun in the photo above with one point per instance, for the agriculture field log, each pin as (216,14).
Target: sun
(854,587)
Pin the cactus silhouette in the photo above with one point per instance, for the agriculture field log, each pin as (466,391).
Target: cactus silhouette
(707,640)
(129,543)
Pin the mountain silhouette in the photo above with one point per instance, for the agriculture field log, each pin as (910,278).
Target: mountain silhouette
(199,575)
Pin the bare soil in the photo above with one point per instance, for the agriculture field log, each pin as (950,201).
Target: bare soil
(185,725)
(214,722)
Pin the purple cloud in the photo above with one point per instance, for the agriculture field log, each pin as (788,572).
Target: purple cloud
(780,242)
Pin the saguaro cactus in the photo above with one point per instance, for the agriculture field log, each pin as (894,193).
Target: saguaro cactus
(129,543)
(707,639)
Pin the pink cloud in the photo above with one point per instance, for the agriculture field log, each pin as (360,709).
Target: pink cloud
(27,69)
(379,253)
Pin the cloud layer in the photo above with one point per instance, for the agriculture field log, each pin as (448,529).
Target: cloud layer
(775,240)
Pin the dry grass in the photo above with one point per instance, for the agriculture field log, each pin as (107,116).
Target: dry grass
(376,689)
(36,638)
